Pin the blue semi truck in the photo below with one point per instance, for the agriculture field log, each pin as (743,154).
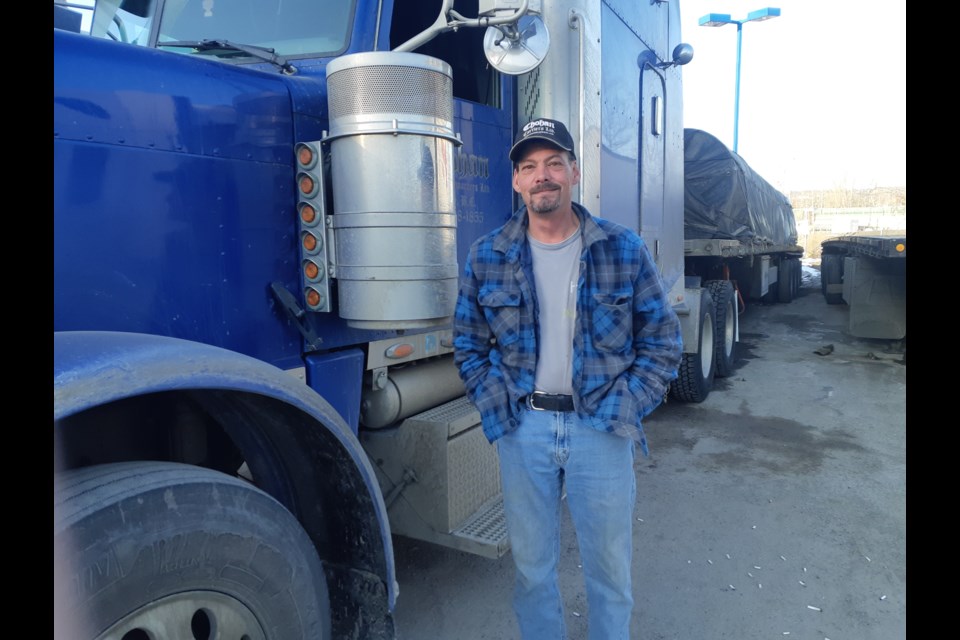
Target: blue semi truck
(261,209)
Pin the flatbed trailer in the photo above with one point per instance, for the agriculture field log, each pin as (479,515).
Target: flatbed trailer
(763,270)
(737,226)
(870,246)
(868,273)
(739,244)
(736,248)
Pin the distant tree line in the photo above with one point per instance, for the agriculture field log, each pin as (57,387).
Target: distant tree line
(894,197)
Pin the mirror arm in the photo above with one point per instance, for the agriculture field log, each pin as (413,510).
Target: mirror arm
(443,24)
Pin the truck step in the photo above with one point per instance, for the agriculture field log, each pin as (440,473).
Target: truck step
(487,528)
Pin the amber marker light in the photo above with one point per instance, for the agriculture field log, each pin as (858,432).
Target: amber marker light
(313,297)
(305,156)
(308,214)
(308,186)
(399,350)
(309,242)
(311,270)
(901,247)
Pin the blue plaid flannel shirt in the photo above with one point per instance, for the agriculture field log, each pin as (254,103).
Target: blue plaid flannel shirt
(627,346)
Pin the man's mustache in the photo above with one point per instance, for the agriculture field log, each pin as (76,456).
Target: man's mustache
(544,186)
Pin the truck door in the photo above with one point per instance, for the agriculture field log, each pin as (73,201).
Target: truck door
(652,154)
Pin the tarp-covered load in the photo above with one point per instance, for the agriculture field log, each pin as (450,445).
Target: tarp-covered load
(725,199)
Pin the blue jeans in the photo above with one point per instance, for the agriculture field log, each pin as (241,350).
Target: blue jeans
(548,450)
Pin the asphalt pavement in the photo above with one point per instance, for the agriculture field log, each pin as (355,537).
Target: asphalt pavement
(776,508)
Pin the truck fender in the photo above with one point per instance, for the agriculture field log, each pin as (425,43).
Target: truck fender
(97,368)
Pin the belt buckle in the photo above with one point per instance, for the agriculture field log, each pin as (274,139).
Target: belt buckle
(530,404)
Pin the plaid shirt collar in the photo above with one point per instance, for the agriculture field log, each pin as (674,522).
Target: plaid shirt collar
(510,241)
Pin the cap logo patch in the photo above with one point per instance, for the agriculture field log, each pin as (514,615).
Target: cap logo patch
(538,126)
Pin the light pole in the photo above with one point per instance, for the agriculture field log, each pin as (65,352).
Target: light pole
(720,19)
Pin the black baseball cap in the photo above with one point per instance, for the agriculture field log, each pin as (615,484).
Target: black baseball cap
(552,131)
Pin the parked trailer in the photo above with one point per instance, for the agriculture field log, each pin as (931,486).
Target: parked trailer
(740,244)
(869,274)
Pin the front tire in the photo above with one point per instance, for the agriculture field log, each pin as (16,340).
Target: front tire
(695,375)
(167,550)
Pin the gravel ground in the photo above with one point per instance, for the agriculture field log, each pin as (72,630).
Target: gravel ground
(774,509)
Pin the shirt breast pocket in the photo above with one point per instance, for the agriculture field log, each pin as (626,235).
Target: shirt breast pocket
(502,310)
(612,321)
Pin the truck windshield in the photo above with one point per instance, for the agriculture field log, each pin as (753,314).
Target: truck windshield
(290,28)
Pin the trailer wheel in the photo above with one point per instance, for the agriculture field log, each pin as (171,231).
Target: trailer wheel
(785,280)
(695,376)
(167,550)
(796,271)
(823,280)
(725,324)
(831,273)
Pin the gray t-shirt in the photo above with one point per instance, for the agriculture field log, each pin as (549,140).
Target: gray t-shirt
(556,270)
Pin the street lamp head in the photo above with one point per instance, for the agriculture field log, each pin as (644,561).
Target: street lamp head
(720,19)
(762,14)
(716,20)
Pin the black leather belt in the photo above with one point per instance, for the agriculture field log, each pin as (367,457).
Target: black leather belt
(539,401)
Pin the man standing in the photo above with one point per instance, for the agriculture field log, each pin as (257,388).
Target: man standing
(565,340)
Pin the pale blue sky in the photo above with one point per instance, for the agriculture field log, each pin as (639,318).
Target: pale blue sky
(822,89)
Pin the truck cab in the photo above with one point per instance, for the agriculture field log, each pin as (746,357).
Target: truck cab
(261,210)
